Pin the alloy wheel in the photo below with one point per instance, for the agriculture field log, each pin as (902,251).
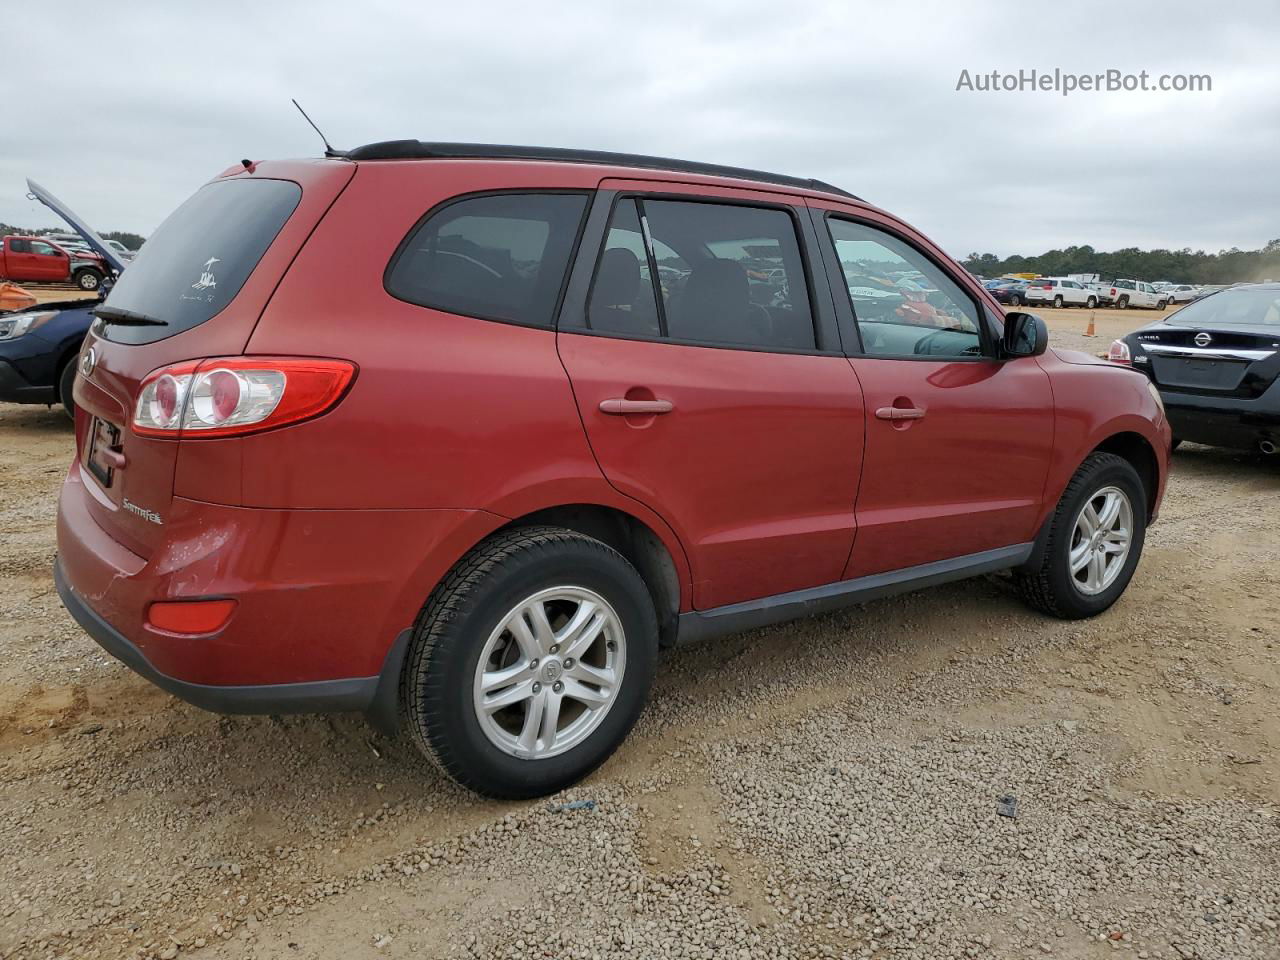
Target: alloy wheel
(1100,540)
(549,672)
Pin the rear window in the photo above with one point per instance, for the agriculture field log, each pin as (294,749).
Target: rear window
(497,257)
(199,258)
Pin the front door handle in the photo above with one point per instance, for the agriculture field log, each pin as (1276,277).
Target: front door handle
(622,407)
(900,413)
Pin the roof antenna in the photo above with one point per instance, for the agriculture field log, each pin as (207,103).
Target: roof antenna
(328,150)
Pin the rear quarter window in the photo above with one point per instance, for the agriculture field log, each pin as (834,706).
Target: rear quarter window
(199,258)
(496,257)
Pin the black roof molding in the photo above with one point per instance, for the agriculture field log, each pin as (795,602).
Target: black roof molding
(424,150)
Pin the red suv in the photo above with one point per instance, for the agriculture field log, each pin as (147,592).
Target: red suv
(459,436)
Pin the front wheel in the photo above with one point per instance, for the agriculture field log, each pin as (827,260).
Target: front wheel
(1094,541)
(1091,302)
(1015,300)
(530,662)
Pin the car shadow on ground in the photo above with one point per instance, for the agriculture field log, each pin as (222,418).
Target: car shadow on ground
(51,420)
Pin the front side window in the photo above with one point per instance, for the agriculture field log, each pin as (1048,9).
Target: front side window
(701,272)
(500,257)
(43,249)
(904,304)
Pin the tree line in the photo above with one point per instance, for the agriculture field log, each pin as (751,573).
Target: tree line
(131,240)
(1178,266)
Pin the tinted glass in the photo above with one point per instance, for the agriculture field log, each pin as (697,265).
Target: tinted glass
(20,246)
(44,249)
(622,299)
(200,257)
(499,258)
(1240,307)
(728,275)
(904,304)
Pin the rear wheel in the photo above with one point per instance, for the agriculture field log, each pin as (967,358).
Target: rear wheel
(87,279)
(1122,303)
(1095,540)
(1057,301)
(66,386)
(530,662)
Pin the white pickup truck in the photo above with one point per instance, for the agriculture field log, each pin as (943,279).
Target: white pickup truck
(1137,293)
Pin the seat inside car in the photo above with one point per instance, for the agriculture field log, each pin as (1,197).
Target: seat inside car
(716,303)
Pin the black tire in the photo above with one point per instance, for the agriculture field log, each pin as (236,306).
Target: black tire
(1122,303)
(1048,586)
(1091,303)
(494,577)
(66,384)
(1162,305)
(1015,300)
(87,279)
(1057,302)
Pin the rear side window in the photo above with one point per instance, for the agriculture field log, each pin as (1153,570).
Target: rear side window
(698,272)
(500,257)
(199,258)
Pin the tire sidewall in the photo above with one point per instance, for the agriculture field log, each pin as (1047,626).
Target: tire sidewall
(456,651)
(66,384)
(1118,474)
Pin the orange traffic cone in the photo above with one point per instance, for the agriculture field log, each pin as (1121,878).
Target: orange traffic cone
(1092,329)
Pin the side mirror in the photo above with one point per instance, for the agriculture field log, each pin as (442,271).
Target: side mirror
(1025,335)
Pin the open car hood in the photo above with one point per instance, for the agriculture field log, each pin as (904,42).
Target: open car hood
(87,233)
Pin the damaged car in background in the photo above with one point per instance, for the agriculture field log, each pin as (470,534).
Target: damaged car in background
(39,344)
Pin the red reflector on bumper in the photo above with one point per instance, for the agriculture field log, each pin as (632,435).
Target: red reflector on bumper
(190,616)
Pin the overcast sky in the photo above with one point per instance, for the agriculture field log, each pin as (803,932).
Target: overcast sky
(123,110)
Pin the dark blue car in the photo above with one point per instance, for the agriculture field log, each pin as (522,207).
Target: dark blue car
(38,351)
(39,346)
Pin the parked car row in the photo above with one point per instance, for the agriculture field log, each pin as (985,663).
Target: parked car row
(1088,290)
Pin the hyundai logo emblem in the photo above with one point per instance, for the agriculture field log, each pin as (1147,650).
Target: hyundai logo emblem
(1203,339)
(88,360)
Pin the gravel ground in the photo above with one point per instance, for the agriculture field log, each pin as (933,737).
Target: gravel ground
(831,788)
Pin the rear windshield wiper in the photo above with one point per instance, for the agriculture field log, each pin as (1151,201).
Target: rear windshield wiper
(127,317)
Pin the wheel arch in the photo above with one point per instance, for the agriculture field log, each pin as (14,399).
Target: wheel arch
(632,537)
(1136,449)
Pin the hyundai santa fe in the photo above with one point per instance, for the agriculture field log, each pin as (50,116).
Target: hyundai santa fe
(460,436)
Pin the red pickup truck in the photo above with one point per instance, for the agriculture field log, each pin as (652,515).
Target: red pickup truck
(35,260)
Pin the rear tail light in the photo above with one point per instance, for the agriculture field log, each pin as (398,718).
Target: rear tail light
(1119,352)
(237,395)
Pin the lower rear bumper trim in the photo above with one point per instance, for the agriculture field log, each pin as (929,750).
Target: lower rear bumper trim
(322,696)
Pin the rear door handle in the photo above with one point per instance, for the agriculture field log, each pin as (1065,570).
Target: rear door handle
(622,407)
(900,413)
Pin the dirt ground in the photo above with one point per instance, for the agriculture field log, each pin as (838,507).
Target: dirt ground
(823,789)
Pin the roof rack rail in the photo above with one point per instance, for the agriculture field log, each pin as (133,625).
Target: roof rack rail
(420,149)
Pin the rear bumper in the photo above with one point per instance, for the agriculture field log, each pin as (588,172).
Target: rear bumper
(15,388)
(324,598)
(322,696)
(1224,421)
